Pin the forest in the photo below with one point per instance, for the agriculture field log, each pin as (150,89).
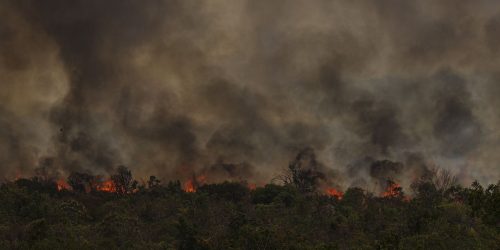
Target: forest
(89,212)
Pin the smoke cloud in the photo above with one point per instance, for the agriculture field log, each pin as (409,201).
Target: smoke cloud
(238,88)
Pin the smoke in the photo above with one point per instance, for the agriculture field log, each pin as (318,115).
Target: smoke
(237,88)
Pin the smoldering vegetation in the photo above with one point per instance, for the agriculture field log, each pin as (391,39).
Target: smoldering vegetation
(379,89)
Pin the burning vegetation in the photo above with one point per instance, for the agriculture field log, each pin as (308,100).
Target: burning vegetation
(119,212)
(392,190)
(193,183)
(334,193)
(107,186)
(62,185)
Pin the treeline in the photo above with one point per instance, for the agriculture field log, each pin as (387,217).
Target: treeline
(36,214)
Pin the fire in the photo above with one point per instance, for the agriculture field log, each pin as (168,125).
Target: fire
(392,190)
(189,187)
(107,186)
(61,184)
(252,186)
(334,193)
(192,184)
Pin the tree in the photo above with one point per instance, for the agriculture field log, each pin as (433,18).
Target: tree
(232,191)
(266,194)
(492,204)
(187,236)
(81,182)
(441,179)
(123,181)
(354,197)
(303,172)
(153,182)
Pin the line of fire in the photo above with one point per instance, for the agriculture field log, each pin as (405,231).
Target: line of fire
(303,173)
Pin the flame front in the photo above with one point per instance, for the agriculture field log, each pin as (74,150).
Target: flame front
(192,184)
(392,190)
(107,186)
(61,184)
(334,193)
(189,187)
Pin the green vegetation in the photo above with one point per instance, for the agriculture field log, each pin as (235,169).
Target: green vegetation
(34,214)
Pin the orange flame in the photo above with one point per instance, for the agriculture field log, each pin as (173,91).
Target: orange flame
(334,193)
(107,186)
(192,184)
(61,184)
(189,187)
(392,190)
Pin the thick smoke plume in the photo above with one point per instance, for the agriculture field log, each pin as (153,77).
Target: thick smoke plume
(237,88)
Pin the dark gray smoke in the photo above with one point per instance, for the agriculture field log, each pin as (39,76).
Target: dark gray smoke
(237,88)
